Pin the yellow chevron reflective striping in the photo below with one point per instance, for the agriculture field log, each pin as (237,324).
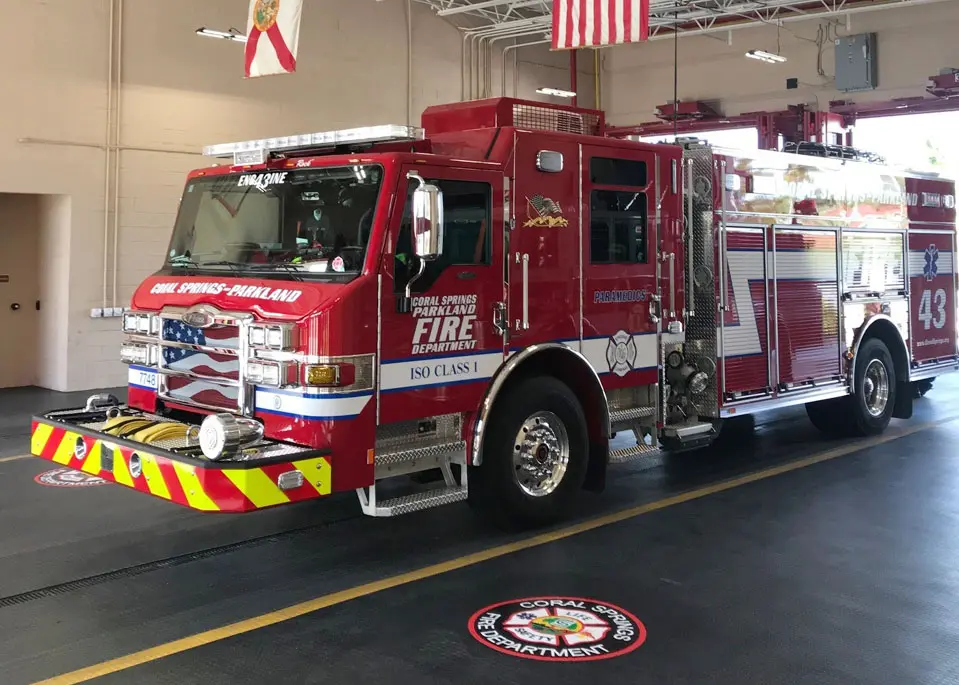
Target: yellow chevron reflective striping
(257,486)
(121,471)
(92,463)
(39,438)
(153,475)
(195,494)
(65,449)
(317,473)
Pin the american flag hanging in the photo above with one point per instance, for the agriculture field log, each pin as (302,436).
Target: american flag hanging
(591,23)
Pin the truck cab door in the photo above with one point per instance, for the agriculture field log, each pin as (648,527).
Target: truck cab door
(622,296)
(436,357)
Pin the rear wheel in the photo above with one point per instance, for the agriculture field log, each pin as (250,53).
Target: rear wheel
(829,416)
(871,406)
(535,454)
(868,410)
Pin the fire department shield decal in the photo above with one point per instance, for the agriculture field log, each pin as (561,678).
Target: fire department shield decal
(68,478)
(621,353)
(558,629)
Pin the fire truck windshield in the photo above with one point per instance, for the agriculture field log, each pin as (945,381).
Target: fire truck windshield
(307,222)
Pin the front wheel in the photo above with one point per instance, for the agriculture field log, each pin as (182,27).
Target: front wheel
(535,454)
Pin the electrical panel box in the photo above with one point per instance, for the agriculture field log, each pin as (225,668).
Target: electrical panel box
(856,65)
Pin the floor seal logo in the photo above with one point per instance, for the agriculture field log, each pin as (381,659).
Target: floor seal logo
(68,478)
(558,629)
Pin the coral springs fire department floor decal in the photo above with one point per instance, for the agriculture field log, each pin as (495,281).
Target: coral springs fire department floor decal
(558,629)
(68,478)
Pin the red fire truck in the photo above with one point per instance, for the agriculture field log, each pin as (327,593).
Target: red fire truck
(492,296)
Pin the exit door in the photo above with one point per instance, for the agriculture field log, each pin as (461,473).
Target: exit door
(19,289)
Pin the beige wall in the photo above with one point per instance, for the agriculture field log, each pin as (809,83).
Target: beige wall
(180,92)
(914,43)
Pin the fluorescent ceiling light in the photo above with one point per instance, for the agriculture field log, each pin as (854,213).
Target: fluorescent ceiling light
(763,56)
(232,34)
(556,92)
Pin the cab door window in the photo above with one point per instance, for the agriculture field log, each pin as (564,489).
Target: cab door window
(467,207)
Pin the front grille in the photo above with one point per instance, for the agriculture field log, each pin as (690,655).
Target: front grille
(200,366)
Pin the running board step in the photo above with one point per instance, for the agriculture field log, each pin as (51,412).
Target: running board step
(629,415)
(625,454)
(417,459)
(407,504)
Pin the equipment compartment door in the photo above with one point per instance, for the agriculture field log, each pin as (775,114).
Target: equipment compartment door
(806,292)
(745,322)
(437,357)
(619,250)
(932,298)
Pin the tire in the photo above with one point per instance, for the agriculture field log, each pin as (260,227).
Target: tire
(865,412)
(829,417)
(546,408)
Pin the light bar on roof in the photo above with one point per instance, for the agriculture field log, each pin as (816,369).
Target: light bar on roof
(368,134)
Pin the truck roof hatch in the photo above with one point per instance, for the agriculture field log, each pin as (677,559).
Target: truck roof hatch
(249,152)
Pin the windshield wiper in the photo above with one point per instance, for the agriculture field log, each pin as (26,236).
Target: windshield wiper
(282,266)
(235,267)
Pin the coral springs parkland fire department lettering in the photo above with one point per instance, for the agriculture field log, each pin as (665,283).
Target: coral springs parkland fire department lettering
(248,292)
(444,323)
(558,629)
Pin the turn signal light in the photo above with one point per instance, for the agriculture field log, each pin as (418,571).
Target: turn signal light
(329,375)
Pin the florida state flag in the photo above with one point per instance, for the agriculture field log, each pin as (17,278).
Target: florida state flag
(273,32)
(592,23)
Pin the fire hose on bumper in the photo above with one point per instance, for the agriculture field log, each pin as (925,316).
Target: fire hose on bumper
(224,465)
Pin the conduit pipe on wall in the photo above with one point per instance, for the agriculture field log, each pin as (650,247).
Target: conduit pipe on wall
(101,146)
(116,153)
(409,62)
(478,52)
(106,155)
(597,91)
(513,49)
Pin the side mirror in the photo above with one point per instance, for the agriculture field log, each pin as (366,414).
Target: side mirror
(427,219)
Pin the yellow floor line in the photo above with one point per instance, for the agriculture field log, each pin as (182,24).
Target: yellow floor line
(272,618)
(15,458)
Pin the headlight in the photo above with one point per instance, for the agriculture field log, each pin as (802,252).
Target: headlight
(143,324)
(275,337)
(131,353)
(258,336)
(267,373)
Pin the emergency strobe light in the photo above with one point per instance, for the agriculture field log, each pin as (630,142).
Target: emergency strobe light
(223,435)
(244,151)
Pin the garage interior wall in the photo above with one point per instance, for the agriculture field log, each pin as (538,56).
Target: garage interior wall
(913,43)
(180,91)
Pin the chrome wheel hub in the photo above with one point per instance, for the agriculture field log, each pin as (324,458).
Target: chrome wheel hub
(540,454)
(875,388)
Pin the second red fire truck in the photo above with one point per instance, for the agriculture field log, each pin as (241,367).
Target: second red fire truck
(494,295)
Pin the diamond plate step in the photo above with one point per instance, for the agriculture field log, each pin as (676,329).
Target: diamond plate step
(407,504)
(626,415)
(625,454)
(418,453)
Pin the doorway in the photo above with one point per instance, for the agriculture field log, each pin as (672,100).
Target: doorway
(20,227)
